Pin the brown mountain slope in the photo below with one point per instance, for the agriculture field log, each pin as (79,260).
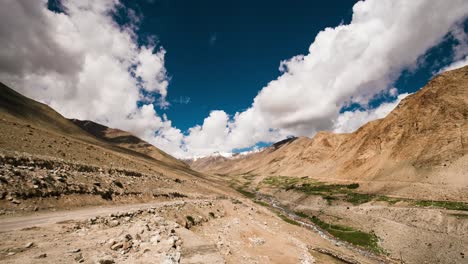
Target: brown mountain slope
(421,145)
(126,140)
(34,128)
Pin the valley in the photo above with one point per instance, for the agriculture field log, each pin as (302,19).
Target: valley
(78,195)
(79,192)
(405,229)
(396,187)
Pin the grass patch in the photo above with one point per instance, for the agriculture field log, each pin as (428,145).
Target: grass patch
(307,185)
(358,198)
(329,198)
(329,192)
(346,233)
(287,219)
(319,188)
(262,203)
(389,200)
(345,192)
(246,193)
(461,206)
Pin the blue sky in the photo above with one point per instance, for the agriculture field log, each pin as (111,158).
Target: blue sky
(252,37)
(221,53)
(198,77)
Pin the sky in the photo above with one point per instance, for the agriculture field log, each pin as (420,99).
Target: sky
(199,77)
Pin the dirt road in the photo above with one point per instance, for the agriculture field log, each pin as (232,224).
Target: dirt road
(46,218)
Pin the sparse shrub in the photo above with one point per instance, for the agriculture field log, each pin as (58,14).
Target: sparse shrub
(353,186)
(118,184)
(190,219)
(262,203)
(358,198)
(107,195)
(235,201)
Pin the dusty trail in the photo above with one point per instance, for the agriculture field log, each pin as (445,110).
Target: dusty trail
(46,218)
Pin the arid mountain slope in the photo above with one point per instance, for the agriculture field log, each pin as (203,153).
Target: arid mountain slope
(44,156)
(140,206)
(126,140)
(20,116)
(421,144)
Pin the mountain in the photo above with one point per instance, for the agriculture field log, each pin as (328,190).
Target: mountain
(421,145)
(126,140)
(35,128)
(198,163)
(61,177)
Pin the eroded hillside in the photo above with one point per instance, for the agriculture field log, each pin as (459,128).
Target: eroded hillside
(419,150)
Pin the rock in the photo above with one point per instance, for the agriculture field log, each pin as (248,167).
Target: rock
(178,243)
(138,237)
(117,246)
(111,242)
(172,241)
(127,245)
(172,258)
(155,239)
(257,241)
(41,256)
(79,258)
(114,223)
(106,260)
(177,257)
(75,250)
(28,245)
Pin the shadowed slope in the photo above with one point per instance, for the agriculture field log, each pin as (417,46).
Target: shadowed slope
(126,140)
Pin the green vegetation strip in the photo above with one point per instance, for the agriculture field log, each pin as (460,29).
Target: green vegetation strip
(348,234)
(347,193)
(443,204)
(288,220)
(460,215)
(329,192)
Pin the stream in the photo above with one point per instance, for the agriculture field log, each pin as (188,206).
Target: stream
(325,235)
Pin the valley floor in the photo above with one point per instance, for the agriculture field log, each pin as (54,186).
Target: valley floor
(183,231)
(53,210)
(406,230)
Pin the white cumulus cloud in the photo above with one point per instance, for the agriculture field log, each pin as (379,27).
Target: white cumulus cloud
(86,65)
(350,63)
(455,65)
(349,121)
